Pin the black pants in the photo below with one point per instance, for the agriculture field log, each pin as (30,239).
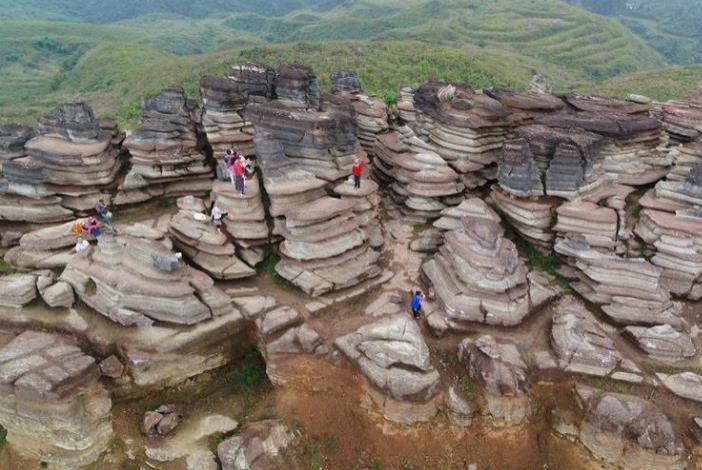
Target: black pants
(356,181)
(416,312)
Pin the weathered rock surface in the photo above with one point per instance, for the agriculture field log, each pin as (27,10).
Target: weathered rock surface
(686,384)
(531,218)
(460,411)
(393,356)
(259,446)
(136,281)
(663,341)
(682,119)
(165,156)
(51,402)
(499,369)
(405,104)
(72,162)
(17,289)
(193,232)
(628,289)
(580,342)
(479,277)
(627,431)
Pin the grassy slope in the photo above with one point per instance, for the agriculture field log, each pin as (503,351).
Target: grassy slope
(662,85)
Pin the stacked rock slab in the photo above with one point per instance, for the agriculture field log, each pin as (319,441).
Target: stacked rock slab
(393,356)
(683,119)
(466,128)
(479,277)
(499,369)
(53,406)
(47,248)
(136,281)
(451,218)
(224,101)
(246,218)
(165,156)
(405,104)
(634,151)
(12,140)
(371,112)
(316,133)
(194,234)
(366,201)
(72,162)
(527,105)
(671,223)
(324,248)
(629,290)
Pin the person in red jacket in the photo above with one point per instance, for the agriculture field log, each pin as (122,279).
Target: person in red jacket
(239,171)
(357,170)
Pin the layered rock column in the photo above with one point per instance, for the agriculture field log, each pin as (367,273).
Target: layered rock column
(166,158)
(53,406)
(12,140)
(478,277)
(72,162)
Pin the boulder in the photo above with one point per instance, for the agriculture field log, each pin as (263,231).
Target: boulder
(499,369)
(663,341)
(259,446)
(686,384)
(393,356)
(17,289)
(52,404)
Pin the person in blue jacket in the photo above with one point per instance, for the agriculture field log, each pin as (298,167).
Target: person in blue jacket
(416,303)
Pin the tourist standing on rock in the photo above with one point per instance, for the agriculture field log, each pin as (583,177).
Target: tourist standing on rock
(416,303)
(105,215)
(239,171)
(229,160)
(217,217)
(357,170)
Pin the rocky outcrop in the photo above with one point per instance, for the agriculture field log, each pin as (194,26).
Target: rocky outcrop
(166,158)
(405,104)
(682,119)
(531,218)
(628,289)
(451,218)
(17,290)
(246,218)
(663,342)
(686,384)
(72,162)
(581,343)
(324,248)
(393,356)
(224,101)
(671,223)
(500,370)
(13,137)
(53,406)
(259,446)
(136,281)
(366,203)
(195,235)
(479,277)
(626,431)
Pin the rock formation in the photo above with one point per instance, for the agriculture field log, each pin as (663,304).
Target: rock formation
(393,356)
(194,234)
(479,277)
(624,430)
(17,289)
(13,137)
(682,119)
(224,101)
(53,406)
(166,158)
(499,369)
(663,342)
(366,201)
(72,162)
(325,249)
(628,289)
(405,104)
(46,248)
(671,223)
(451,218)
(136,281)
(259,445)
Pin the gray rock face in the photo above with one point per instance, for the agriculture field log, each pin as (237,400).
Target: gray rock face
(17,290)
(165,156)
(137,281)
(297,83)
(12,140)
(628,431)
(500,370)
(460,411)
(580,342)
(686,384)
(59,294)
(51,402)
(393,356)
(259,446)
(75,121)
(345,81)
(479,277)
(663,341)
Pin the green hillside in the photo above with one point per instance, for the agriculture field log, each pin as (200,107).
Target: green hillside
(662,85)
